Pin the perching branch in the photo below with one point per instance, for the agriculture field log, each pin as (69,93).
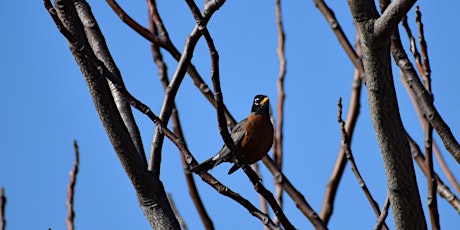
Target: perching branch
(222,122)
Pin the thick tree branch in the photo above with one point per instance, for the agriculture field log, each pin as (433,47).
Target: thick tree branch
(404,195)
(100,49)
(391,16)
(150,191)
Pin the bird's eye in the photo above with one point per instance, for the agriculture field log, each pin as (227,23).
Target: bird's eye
(256,101)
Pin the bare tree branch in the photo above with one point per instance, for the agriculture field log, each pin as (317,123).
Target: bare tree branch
(439,157)
(352,117)
(375,42)
(163,40)
(166,110)
(383,214)
(278,144)
(296,196)
(71,189)
(149,188)
(263,202)
(442,189)
(424,98)
(222,122)
(337,29)
(100,49)
(431,181)
(183,226)
(2,209)
(354,167)
(176,123)
(391,16)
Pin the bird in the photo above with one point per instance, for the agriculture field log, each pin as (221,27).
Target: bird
(253,136)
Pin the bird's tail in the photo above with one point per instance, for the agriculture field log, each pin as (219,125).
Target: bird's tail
(205,166)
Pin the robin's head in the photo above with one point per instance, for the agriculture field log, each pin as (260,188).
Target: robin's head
(260,105)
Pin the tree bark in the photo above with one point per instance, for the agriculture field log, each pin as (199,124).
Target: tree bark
(149,189)
(399,169)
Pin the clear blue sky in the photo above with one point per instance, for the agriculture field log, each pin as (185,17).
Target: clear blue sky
(45,105)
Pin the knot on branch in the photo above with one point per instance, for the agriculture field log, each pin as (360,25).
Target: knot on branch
(333,24)
(76,47)
(278,178)
(89,23)
(201,24)
(188,159)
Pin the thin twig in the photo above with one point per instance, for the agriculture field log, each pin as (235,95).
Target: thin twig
(166,43)
(299,200)
(131,22)
(424,97)
(176,124)
(445,169)
(432,198)
(413,46)
(262,200)
(278,146)
(424,49)
(428,129)
(450,176)
(183,226)
(352,117)
(354,167)
(442,189)
(2,209)
(71,189)
(167,107)
(337,29)
(383,214)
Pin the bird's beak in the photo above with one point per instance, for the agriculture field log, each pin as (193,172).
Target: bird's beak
(265,100)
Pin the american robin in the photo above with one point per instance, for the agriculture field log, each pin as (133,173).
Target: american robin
(253,136)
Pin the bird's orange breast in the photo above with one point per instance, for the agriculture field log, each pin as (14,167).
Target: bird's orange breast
(258,139)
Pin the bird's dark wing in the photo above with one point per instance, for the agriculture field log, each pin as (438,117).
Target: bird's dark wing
(224,155)
(237,135)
